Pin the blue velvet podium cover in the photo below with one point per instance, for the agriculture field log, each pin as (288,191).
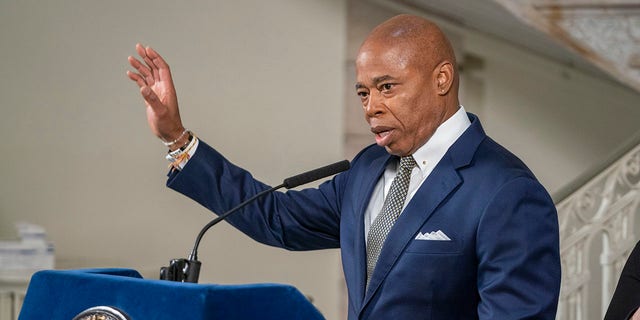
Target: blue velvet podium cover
(55,294)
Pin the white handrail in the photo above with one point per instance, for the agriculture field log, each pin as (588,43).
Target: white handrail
(606,207)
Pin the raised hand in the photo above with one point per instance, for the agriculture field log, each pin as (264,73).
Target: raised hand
(156,86)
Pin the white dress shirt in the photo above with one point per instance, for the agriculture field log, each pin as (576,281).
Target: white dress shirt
(427,157)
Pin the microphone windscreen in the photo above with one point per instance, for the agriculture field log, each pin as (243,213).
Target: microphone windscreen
(316,174)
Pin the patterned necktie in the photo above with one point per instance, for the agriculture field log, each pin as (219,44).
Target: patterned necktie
(390,212)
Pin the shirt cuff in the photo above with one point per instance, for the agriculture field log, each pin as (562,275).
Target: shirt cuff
(177,158)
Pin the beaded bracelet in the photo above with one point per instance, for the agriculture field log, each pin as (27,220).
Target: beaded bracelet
(176,152)
(168,144)
(176,158)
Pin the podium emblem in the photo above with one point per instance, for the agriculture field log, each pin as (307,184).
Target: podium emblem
(102,313)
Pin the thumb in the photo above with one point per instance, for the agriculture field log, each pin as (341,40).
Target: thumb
(151,98)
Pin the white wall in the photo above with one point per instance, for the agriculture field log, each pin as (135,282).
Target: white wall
(560,121)
(259,80)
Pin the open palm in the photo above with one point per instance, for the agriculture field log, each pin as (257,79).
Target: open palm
(156,86)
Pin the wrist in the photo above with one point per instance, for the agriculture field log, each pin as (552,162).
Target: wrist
(179,157)
(176,140)
(181,143)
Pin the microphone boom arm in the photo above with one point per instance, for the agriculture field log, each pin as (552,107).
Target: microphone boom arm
(194,252)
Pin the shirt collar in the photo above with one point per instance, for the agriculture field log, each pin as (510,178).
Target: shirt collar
(430,153)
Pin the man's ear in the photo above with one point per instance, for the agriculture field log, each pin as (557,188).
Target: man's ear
(444,77)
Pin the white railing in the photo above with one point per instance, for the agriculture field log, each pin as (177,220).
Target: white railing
(597,219)
(12,293)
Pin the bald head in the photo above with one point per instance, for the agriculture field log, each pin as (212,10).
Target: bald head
(421,40)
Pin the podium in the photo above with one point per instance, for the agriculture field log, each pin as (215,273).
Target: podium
(58,294)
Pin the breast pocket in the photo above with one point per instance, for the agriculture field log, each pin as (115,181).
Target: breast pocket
(453,246)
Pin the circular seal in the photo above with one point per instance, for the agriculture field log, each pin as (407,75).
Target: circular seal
(102,313)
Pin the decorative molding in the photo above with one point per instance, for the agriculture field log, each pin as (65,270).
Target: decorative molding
(606,33)
(606,206)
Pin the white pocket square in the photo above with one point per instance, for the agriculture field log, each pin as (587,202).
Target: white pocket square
(433,235)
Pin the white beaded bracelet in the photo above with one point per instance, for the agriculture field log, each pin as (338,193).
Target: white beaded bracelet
(168,144)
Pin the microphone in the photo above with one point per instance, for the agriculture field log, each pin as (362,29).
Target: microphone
(316,174)
(188,270)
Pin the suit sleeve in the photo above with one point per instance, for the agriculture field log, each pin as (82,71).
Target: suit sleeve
(294,220)
(518,252)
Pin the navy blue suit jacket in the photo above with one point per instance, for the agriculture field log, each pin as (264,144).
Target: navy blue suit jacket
(502,261)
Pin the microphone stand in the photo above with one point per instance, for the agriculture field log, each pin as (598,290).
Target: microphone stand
(188,270)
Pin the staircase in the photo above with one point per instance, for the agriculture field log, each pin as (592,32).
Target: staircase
(598,220)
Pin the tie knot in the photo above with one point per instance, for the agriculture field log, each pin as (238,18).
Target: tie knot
(407,163)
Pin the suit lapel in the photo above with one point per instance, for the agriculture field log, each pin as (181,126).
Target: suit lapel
(440,183)
(376,167)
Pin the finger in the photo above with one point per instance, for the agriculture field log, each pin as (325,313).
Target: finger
(140,50)
(152,67)
(164,72)
(136,78)
(142,69)
(156,73)
(153,70)
(156,58)
(144,54)
(149,59)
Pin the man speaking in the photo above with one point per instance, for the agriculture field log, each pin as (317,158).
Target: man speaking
(434,221)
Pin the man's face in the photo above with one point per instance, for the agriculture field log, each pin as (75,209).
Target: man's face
(399,95)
